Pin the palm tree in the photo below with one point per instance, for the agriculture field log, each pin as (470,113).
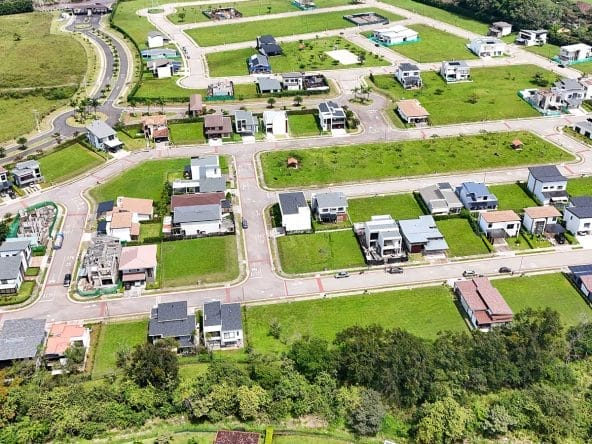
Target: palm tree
(160,101)
(148,102)
(355,90)
(271,102)
(94,103)
(132,104)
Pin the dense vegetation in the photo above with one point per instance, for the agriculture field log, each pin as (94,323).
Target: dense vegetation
(8,7)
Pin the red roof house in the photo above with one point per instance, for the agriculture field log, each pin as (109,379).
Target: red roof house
(483,304)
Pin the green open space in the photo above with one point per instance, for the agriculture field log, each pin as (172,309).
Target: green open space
(421,311)
(585,68)
(131,143)
(512,197)
(150,230)
(548,50)
(302,125)
(332,250)
(320,166)
(187,133)
(461,239)
(574,134)
(246,31)
(581,186)
(492,94)
(69,162)
(547,290)
(527,241)
(399,206)
(124,16)
(21,296)
(209,259)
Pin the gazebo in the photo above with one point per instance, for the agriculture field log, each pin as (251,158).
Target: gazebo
(293,163)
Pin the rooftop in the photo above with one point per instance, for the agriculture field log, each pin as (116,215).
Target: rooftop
(547,173)
(228,316)
(61,336)
(142,256)
(10,267)
(540,212)
(327,200)
(291,202)
(187,200)
(20,338)
(197,213)
(406,66)
(100,129)
(266,83)
(480,295)
(500,216)
(14,244)
(135,205)
(412,108)
(171,320)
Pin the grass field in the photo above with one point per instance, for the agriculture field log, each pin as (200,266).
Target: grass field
(320,166)
(169,90)
(69,162)
(246,31)
(125,17)
(399,206)
(512,197)
(306,253)
(580,137)
(114,337)
(131,144)
(187,133)
(308,55)
(580,187)
(423,312)
(549,50)
(150,230)
(461,239)
(547,290)
(302,125)
(492,95)
(210,259)
(586,68)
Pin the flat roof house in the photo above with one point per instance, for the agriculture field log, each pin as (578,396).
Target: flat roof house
(258,64)
(245,123)
(411,112)
(4,182)
(584,128)
(499,224)
(500,29)
(421,235)
(548,185)
(207,166)
(578,220)
(295,212)
(197,220)
(137,265)
(156,39)
(222,325)
(476,196)
(275,123)
(455,71)
(217,126)
(395,35)
(163,68)
(382,237)
(20,339)
(222,88)
(488,47)
(578,52)
(265,85)
(170,320)
(268,46)
(159,53)
(26,173)
(103,137)
(541,220)
(329,207)
(441,199)
(483,304)
(408,75)
(331,116)
(531,37)
(196,107)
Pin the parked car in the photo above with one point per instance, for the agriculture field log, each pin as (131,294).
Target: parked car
(560,238)
(394,270)
(67,280)
(505,270)
(244,223)
(341,274)
(469,273)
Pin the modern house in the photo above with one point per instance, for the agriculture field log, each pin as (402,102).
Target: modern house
(155,128)
(100,265)
(137,265)
(295,212)
(222,325)
(454,71)
(584,128)
(331,116)
(541,220)
(582,278)
(411,112)
(268,46)
(408,75)
(12,274)
(576,53)
(441,199)
(142,209)
(329,207)
(223,89)
(258,64)
(170,320)
(205,167)
(196,107)
(578,219)
(163,68)
(267,85)
(395,35)
(188,200)
(203,175)
(245,123)
(121,224)
(299,81)
(530,37)
(26,173)
(217,126)
(159,53)
(382,238)
(103,137)
(275,123)
(570,93)
(488,47)
(4,182)
(421,235)
(484,305)
(499,224)
(548,185)
(500,29)
(197,220)
(63,336)
(18,247)
(586,83)
(21,339)
(156,39)
(476,196)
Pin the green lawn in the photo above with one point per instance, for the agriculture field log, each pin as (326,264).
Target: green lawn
(247,31)
(21,296)
(586,67)
(68,162)
(144,181)
(547,290)
(320,166)
(114,337)
(333,250)
(210,259)
(492,95)
(549,50)
(580,137)
(131,143)
(581,186)
(302,125)
(125,17)
(525,240)
(512,197)
(461,239)
(187,133)
(422,311)
(150,230)
(399,206)
(307,55)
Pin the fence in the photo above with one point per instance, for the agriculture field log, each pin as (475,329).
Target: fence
(14,226)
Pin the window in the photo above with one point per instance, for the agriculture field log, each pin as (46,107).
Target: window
(489,225)
(229,335)
(559,187)
(510,227)
(587,225)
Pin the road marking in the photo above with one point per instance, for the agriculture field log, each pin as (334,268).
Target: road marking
(228,294)
(568,169)
(320,285)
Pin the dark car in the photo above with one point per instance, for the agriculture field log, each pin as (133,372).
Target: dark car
(505,270)
(67,280)
(560,238)
(245,224)
(341,274)
(394,270)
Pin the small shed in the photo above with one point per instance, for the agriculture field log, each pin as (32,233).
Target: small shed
(293,163)
(517,144)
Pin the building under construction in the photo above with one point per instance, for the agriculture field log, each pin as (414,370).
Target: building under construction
(100,265)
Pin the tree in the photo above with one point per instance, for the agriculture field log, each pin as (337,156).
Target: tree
(251,400)
(270,102)
(298,100)
(132,102)
(579,339)
(75,357)
(94,103)
(2,152)
(310,356)
(182,16)
(148,103)
(3,230)
(443,421)
(154,364)
(498,421)
(161,102)
(366,419)
(22,142)
(356,91)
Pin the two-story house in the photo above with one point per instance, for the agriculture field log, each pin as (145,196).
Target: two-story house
(395,35)
(268,46)
(103,137)
(17,247)
(155,128)
(532,37)
(500,29)
(441,199)
(483,303)
(245,123)
(578,219)
(382,237)
(26,173)
(4,182)
(488,47)
(293,81)
(170,320)
(548,185)
(331,116)
(156,39)
(295,212)
(12,274)
(499,224)
(541,220)
(570,92)
(222,325)
(61,337)
(21,339)
(455,71)
(275,123)
(197,220)
(476,196)
(584,128)
(578,52)
(137,265)
(408,75)
(258,64)
(329,207)
(217,126)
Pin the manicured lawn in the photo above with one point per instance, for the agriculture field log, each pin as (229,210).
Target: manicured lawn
(68,162)
(131,143)
(524,243)
(492,95)
(512,197)
(171,92)
(306,56)
(144,181)
(210,259)
(302,125)
(399,206)
(151,230)
(546,290)
(586,68)
(305,253)
(580,187)
(319,166)
(125,17)
(247,31)
(549,50)
(422,311)
(21,296)
(115,337)
(574,134)
(187,133)
(461,239)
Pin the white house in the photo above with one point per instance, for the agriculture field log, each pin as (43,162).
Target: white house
(295,212)
(142,209)
(156,39)
(530,37)
(579,52)
(408,75)
(584,128)
(578,220)
(161,68)
(488,47)
(539,220)
(4,182)
(499,224)
(17,247)
(12,274)
(548,185)
(123,222)
(196,220)
(329,207)
(275,123)
(383,237)
(331,116)
(222,325)
(441,199)
(395,35)
(500,29)
(412,112)
(103,137)
(455,71)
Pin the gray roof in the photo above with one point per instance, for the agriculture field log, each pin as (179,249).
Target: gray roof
(501,24)
(25,165)
(458,63)
(10,267)
(290,202)
(14,245)
(20,338)
(405,66)
(569,84)
(331,107)
(440,191)
(100,129)
(580,212)
(292,75)
(212,314)
(423,230)
(258,59)
(327,200)
(197,213)
(585,124)
(204,161)
(477,188)
(171,320)
(247,116)
(581,201)
(267,84)
(226,315)
(212,184)
(547,173)
(155,34)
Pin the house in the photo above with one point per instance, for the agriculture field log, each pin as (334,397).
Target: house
(245,123)
(411,112)
(205,167)
(499,224)
(586,83)
(121,224)
(21,339)
(295,212)
(222,89)
(12,274)
(582,277)
(137,265)
(395,35)
(17,247)
(441,199)
(315,82)
(500,29)
(293,81)
(541,220)
(476,196)
(203,175)
(548,185)
(233,437)
(163,68)
(159,53)
(578,219)
(4,182)
(488,47)
(268,46)
(258,64)
(170,320)
(482,302)
(584,128)
(580,201)
(188,200)
(197,220)
(103,137)
(544,100)
(155,128)
(331,116)
(217,126)
(421,235)
(142,209)
(408,75)
(222,325)
(265,85)
(63,336)
(529,37)
(275,123)
(329,207)
(382,237)
(26,173)
(571,93)
(100,264)
(579,52)
(454,71)
(156,39)
(196,107)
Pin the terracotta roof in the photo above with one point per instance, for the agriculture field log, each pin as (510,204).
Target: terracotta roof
(60,337)
(412,108)
(129,277)
(587,281)
(188,200)
(135,229)
(135,205)
(195,103)
(500,216)
(226,437)
(516,142)
(143,256)
(2,169)
(485,301)
(160,132)
(292,161)
(121,219)
(154,120)
(538,212)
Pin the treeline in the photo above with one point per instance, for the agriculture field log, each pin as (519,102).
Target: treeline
(8,7)
(529,380)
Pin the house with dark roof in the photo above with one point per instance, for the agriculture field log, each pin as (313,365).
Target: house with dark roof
(245,123)
(21,339)
(331,116)
(104,207)
(217,126)
(258,64)
(548,185)
(265,85)
(26,173)
(268,46)
(12,274)
(440,199)
(103,137)
(329,207)
(422,235)
(222,325)
(19,247)
(4,182)
(170,320)
(584,128)
(581,275)
(476,196)
(484,305)
(295,212)
(578,218)
(408,75)
(197,220)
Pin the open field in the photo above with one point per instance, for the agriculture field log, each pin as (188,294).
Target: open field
(187,133)
(333,250)
(150,230)
(302,125)
(548,51)
(320,166)
(399,206)
(586,68)
(306,56)
(168,90)
(131,143)
(68,162)
(580,187)
(512,197)
(547,290)
(422,311)
(246,31)
(461,239)
(125,17)
(210,259)
(492,95)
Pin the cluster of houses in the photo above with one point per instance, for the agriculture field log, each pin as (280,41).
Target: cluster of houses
(121,218)
(23,174)
(564,95)
(266,46)
(162,62)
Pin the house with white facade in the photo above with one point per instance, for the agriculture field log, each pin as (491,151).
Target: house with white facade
(578,220)
(382,238)
(488,47)
(103,137)
(395,35)
(12,274)
(531,37)
(26,173)
(412,112)
(584,128)
(499,224)
(582,278)
(17,247)
(577,53)
(441,199)
(4,182)
(123,222)
(331,116)
(570,92)
(222,325)
(476,196)
(541,220)
(455,71)
(329,207)
(408,75)
(137,264)
(197,220)
(156,39)
(295,212)
(202,175)
(61,337)
(245,123)
(548,185)
(500,29)
(275,123)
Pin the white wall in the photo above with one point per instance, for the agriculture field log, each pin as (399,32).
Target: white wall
(297,222)
(194,228)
